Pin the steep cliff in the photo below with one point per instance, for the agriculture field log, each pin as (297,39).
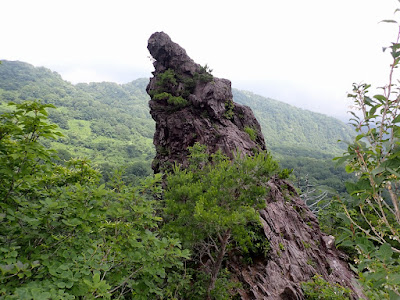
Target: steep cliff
(190,105)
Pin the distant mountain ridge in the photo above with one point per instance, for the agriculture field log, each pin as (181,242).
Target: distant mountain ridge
(286,126)
(110,122)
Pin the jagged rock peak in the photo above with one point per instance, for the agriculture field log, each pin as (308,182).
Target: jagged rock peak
(190,105)
(170,55)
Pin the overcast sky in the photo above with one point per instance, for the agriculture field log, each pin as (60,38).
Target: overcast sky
(303,52)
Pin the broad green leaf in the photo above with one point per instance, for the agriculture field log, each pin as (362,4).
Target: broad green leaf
(394,279)
(378,170)
(385,252)
(380,98)
(393,172)
(349,169)
(373,110)
(96,278)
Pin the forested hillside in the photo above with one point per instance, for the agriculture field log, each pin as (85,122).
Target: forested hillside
(290,130)
(301,139)
(110,124)
(105,122)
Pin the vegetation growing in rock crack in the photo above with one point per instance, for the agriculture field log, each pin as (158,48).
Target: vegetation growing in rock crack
(229,106)
(320,289)
(251,132)
(168,83)
(212,207)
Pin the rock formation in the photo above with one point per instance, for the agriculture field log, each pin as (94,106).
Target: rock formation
(190,105)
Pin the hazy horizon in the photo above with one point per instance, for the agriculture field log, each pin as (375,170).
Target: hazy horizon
(307,53)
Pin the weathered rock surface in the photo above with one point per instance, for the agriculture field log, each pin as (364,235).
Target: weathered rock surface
(299,250)
(210,117)
(207,114)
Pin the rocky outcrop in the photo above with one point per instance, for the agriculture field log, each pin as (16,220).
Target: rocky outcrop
(299,250)
(190,105)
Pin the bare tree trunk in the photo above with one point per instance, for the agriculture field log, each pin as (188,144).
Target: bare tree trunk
(224,240)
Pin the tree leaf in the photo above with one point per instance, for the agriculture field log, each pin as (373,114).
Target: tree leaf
(380,98)
(96,278)
(393,172)
(385,252)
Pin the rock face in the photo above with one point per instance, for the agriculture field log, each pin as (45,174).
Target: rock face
(190,105)
(299,250)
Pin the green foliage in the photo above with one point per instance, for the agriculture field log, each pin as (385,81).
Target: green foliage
(320,289)
(374,213)
(167,83)
(212,205)
(121,128)
(251,132)
(377,265)
(214,192)
(196,288)
(118,128)
(63,235)
(162,96)
(177,101)
(229,106)
(167,79)
(204,75)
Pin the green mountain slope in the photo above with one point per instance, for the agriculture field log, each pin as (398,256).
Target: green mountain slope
(301,140)
(105,122)
(291,130)
(110,123)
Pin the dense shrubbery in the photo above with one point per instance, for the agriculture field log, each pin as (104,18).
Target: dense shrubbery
(105,121)
(373,215)
(212,207)
(319,289)
(63,235)
(169,89)
(97,119)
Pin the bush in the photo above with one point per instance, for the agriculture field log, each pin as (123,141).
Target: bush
(374,156)
(177,101)
(229,106)
(251,132)
(63,235)
(320,289)
(212,206)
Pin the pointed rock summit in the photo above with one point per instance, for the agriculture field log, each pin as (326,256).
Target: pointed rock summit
(190,105)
